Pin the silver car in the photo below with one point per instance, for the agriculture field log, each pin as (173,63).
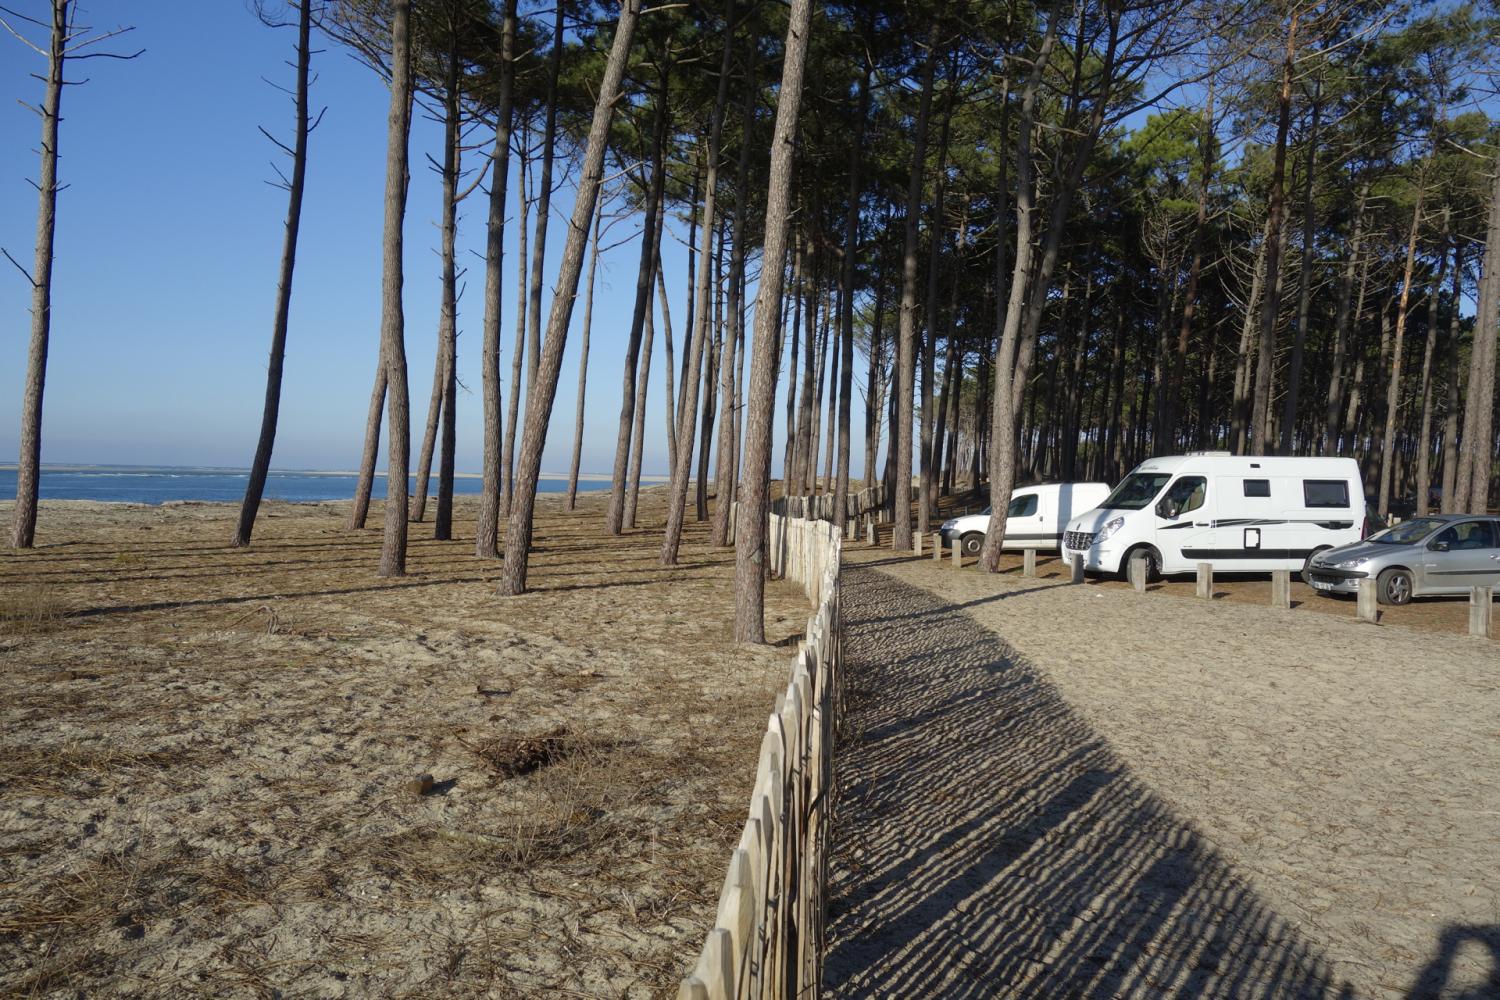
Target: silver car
(1447,554)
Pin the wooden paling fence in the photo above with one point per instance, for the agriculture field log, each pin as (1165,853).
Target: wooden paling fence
(767,939)
(820,507)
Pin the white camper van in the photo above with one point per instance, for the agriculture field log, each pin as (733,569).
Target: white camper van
(1239,513)
(1034,519)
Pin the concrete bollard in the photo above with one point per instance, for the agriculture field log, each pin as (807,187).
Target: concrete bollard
(870,530)
(1077,569)
(1481,611)
(937,547)
(1137,573)
(1028,562)
(958,554)
(1281,588)
(849,529)
(1206,581)
(916,542)
(1366,607)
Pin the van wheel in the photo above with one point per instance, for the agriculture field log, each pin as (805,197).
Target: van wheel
(1307,564)
(1153,564)
(971,543)
(1393,587)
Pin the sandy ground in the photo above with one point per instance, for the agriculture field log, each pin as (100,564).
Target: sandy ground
(1083,791)
(206,754)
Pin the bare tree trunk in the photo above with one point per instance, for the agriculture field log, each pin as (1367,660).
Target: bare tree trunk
(666,330)
(710,387)
(1331,429)
(1304,286)
(834,339)
(789,456)
(539,403)
(1260,416)
(642,390)
(750,533)
(29,465)
(846,308)
(1476,444)
(906,342)
(1393,388)
(1451,407)
(544,199)
(429,433)
(805,404)
(365,483)
(614,519)
(392,320)
(583,361)
(1424,436)
(487,532)
(926,459)
(682,464)
(1195,270)
(261,464)
(518,352)
(1003,415)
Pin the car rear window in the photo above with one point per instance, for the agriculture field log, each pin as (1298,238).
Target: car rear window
(1325,493)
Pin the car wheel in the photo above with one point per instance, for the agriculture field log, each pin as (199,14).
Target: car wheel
(1153,564)
(1307,565)
(971,543)
(1393,587)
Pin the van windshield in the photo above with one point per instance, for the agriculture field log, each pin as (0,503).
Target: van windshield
(1407,532)
(1138,489)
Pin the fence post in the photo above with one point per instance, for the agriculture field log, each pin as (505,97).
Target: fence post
(870,530)
(958,553)
(916,542)
(1077,568)
(1481,611)
(1366,607)
(1028,562)
(1137,573)
(1281,588)
(1206,581)
(937,548)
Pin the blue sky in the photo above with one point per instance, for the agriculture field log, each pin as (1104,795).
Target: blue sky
(168,242)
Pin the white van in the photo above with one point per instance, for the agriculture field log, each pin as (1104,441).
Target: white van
(1034,519)
(1239,513)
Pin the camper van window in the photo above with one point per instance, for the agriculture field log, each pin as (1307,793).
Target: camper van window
(1137,490)
(1257,487)
(1185,495)
(1325,493)
(1022,506)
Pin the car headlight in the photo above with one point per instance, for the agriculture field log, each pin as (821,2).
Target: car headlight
(1351,563)
(948,525)
(1111,526)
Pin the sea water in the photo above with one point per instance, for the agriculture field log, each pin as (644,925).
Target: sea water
(154,485)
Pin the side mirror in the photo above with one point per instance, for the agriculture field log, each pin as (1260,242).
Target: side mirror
(1440,546)
(1166,509)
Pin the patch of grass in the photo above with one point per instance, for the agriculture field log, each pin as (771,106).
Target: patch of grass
(29,609)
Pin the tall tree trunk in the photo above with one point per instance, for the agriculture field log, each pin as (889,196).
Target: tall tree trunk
(642,391)
(518,351)
(1424,435)
(1260,416)
(392,319)
(583,361)
(906,335)
(1331,427)
(1476,447)
(846,306)
(789,455)
(682,464)
(1451,407)
(366,480)
(926,488)
(29,466)
(710,386)
(1304,284)
(1393,389)
(1240,403)
(666,330)
(1002,420)
(874,378)
(261,464)
(1195,270)
(487,532)
(750,531)
(805,404)
(544,200)
(614,518)
(430,430)
(539,403)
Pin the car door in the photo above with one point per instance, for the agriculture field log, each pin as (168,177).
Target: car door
(1023,521)
(1184,523)
(1460,556)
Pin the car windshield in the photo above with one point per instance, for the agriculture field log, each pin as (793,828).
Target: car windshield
(1407,532)
(1138,489)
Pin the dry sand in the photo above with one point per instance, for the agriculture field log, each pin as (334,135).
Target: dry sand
(1083,791)
(205,756)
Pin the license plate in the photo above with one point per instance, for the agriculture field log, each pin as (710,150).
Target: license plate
(1319,585)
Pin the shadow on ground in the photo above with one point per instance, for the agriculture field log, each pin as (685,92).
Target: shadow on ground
(989,843)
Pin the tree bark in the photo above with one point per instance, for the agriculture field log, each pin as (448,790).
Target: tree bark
(682,464)
(1393,388)
(364,485)
(544,200)
(261,464)
(1260,415)
(518,351)
(487,531)
(29,464)
(642,391)
(539,403)
(1304,284)
(1477,443)
(906,342)
(1451,407)
(1424,435)
(1331,427)
(750,533)
(846,306)
(583,362)
(392,319)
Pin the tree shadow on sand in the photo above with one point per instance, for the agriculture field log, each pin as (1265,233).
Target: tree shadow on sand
(989,843)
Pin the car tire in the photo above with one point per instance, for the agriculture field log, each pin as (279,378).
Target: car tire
(971,543)
(1153,564)
(1307,564)
(1393,587)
